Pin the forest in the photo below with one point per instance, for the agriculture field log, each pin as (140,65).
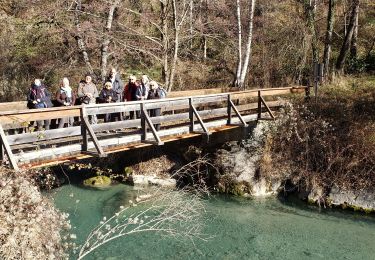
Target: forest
(183,44)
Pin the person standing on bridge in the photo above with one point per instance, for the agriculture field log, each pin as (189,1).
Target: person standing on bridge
(143,89)
(108,95)
(117,86)
(88,93)
(65,96)
(39,97)
(155,92)
(130,93)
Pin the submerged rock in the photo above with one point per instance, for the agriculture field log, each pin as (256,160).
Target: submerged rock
(98,182)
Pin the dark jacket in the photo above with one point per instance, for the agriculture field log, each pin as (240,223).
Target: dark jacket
(61,98)
(142,91)
(106,93)
(154,94)
(117,86)
(130,92)
(41,93)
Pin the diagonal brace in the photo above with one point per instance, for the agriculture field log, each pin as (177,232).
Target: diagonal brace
(231,104)
(193,111)
(87,126)
(267,107)
(151,125)
(4,143)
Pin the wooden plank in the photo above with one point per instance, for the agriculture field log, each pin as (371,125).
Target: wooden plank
(8,150)
(13,106)
(24,117)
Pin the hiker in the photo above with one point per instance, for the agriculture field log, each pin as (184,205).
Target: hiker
(155,92)
(108,95)
(130,93)
(87,92)
(65,96)
(39,97)
(144,87)
(117,86)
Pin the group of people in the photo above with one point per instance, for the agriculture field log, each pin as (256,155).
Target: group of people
(113,90)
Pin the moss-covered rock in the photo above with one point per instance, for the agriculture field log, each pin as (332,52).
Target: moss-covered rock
(97,182)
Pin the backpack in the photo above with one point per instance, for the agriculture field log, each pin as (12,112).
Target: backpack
(162,92)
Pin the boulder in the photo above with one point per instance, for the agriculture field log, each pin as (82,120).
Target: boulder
(357,200)
(98,182)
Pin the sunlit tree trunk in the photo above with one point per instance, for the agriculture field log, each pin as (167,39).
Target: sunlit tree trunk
(245,65)
(239,41)
(106,39)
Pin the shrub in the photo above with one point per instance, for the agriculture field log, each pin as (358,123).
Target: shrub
(29,224)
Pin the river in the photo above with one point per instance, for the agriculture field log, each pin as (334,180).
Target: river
(268,228)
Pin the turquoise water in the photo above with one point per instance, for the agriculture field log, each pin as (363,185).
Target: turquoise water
(242,229)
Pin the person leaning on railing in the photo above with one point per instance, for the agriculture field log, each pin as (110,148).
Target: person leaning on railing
(108,95)
(87,93)
(65,96)
(39,97)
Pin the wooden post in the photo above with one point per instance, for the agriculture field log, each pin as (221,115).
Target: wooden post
(85,139)
(8,150)
(259,105)
(191,115)
(1,150)
(143,123)
(229,121)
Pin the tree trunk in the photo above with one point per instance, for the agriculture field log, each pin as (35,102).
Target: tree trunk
(165,42)
(328,40)
(353,46)
(191,18)
(310,9)
(239,35)
(348,37)
(176,28)
(106,40)
(249,41)
(78,36)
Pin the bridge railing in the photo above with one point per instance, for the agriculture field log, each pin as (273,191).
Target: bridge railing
(181,115)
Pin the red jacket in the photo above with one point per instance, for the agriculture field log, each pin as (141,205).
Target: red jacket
(130,91)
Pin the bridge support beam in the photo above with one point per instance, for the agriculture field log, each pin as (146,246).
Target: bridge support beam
(5,146)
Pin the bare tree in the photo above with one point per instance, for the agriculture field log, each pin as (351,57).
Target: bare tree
(328,39)
(243,62)
(348,37)
(106,38)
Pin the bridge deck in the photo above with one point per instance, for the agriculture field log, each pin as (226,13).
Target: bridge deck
(182,117)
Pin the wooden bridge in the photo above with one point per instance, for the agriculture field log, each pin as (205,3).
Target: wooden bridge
(183,116)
